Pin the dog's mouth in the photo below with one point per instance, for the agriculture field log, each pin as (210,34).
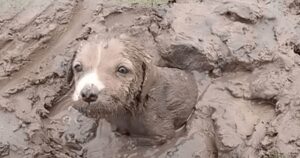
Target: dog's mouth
(104,106)
(89,109)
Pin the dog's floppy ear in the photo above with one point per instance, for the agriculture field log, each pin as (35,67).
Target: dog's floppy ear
(149,75)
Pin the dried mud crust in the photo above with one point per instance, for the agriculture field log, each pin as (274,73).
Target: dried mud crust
(244,55)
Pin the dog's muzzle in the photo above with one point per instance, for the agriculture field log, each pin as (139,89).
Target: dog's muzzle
(88,88)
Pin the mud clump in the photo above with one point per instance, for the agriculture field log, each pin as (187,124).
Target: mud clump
(244,55)
(4,150)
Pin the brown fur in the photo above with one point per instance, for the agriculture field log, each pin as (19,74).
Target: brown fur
(150,103)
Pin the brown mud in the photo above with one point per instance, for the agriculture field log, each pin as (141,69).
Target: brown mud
(244,54)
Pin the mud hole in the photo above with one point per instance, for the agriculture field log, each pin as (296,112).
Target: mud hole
(244,54)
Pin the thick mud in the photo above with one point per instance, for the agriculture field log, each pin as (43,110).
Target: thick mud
(244,55)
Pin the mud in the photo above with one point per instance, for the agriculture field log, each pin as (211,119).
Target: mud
(244,55)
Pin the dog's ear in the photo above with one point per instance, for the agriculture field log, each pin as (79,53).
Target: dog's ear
(149,75)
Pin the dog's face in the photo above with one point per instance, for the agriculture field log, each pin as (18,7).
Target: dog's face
(108,75)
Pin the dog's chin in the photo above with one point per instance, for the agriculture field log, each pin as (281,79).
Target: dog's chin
(101,108)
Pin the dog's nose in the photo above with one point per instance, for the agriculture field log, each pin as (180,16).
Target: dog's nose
(89,93)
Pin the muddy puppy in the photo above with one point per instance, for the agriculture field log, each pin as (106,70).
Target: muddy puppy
(117,81)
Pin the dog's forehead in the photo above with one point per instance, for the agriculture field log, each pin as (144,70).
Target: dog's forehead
(89,53)
(113,49)
(92,54)
(114,46)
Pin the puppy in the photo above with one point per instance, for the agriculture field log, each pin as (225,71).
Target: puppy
(117,81)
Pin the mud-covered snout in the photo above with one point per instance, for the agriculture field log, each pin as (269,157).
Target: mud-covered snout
(88,88)
(89,93)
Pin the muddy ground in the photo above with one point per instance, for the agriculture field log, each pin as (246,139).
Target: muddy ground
(244,54)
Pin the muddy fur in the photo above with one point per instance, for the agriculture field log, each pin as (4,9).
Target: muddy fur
(149,103)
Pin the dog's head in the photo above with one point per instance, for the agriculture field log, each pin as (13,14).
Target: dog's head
(111,75)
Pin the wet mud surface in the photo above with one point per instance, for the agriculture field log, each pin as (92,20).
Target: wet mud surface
(244,55)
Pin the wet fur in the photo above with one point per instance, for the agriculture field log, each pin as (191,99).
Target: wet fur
(156,102)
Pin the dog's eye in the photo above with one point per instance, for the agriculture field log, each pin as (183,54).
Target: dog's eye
(77,67)
(123,70)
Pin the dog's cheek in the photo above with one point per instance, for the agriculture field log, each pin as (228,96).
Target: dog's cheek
(120,90)
(70,74)
(75,79)
(132,90)
(69,71)
(123,92)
